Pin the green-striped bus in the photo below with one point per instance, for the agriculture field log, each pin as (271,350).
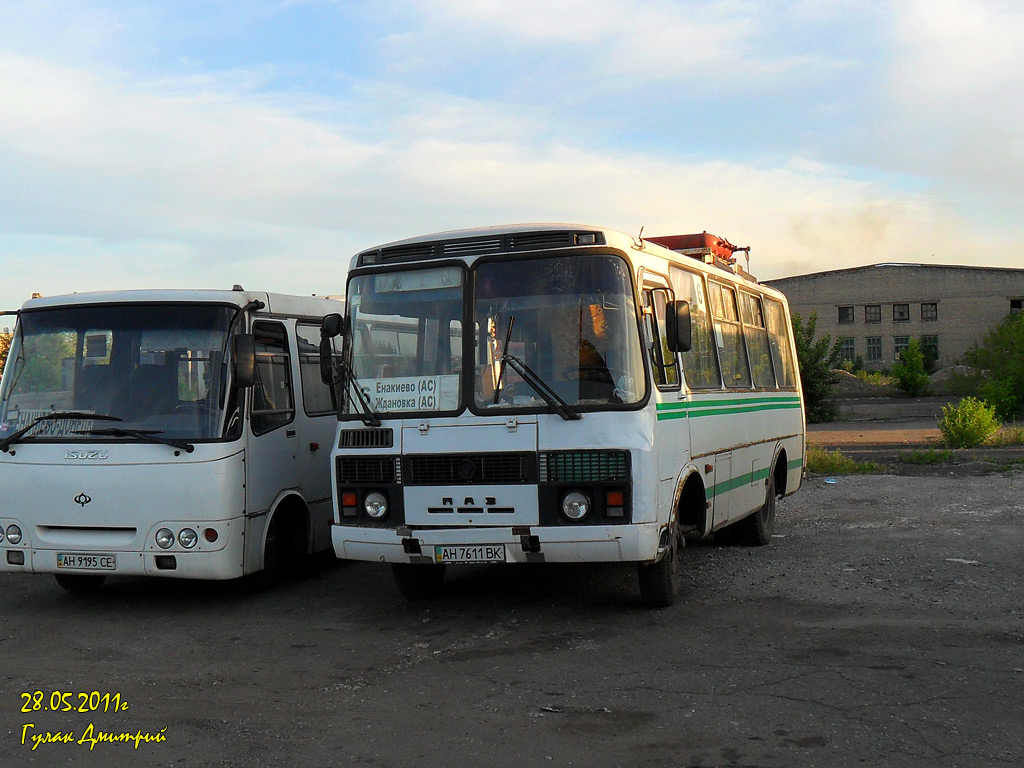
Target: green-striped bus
(558,393)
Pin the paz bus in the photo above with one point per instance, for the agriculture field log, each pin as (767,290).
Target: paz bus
(174,433)
(558,393)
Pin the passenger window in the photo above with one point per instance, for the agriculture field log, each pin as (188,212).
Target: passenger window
(757,341)
(317,397)
(729,336)
(778,337)
(700,366)
(272,403)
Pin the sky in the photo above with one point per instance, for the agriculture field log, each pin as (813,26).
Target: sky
(204,143)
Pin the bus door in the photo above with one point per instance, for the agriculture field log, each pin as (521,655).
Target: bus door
(273,439)
(316,422)
(671,425)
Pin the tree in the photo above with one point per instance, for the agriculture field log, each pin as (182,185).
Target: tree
(5,346)
(999,362)
(909,373)
(818,360)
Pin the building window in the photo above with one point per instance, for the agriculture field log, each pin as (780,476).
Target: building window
(900,313)
(847,350)
(874,349)
(900,343)
(873,313)
(845,315)
(930,348)
(930,311)
(1016,305)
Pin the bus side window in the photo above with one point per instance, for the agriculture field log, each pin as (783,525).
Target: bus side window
(272,403)
(729,335)
(778,339)
(700,365)
(317,397)
(757,341)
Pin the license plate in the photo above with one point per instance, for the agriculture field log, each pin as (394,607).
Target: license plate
(87,562)
(475,553)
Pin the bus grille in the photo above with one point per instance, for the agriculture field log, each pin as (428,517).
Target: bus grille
(584,466)
(471,468)
(366,438)
(369,470)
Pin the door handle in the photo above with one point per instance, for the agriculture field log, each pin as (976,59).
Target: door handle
(289,433)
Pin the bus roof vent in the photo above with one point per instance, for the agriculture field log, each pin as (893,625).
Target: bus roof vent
(540,241)
(472,247)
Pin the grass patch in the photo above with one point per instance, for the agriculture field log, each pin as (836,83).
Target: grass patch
(824,462)
(929,456)
(1006,466)
(1010,434)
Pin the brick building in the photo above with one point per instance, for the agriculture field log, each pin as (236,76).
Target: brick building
(875,311)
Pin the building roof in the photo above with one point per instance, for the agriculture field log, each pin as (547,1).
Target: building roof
(893,265)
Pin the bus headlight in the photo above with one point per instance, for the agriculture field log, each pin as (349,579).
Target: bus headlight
(1,535)
(187,538)
(13,534)
(575,505)
(375,505)
(165,538)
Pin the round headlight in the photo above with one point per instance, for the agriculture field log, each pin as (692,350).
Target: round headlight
(375,505)
(187,538)
(13,534)
(1,535)
(165,538)
(575,505)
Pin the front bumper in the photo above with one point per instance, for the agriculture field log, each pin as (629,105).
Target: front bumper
(562,544)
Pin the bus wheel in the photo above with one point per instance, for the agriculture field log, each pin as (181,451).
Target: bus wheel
(417,582)
(658,587)
(79,583)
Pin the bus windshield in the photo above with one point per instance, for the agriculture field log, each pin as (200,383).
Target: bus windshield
(125,372)
(407,340)
(574,326)
(574,330)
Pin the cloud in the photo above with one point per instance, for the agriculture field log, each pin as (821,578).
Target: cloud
(957,97)
(116,179)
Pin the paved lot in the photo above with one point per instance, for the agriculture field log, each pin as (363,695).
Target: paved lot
(882,626)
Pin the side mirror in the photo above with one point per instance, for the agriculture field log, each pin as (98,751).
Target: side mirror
(332,325)
(677,326)
(329,374)
(244,359)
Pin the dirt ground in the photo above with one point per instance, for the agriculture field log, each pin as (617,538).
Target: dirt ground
(882,626)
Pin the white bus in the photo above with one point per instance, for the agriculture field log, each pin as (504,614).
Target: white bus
(557,393)
(165,433)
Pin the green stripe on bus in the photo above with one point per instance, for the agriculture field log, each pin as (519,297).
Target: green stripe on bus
(746,479)
(724,407)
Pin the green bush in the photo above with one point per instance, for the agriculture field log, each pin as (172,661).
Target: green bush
(817,359)
(909,374)
(999,363)
(968,423)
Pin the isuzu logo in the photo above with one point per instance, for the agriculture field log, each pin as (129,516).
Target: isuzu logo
(82,499)
(95,455)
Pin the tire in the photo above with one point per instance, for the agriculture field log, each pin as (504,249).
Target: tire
(658,584)
(418,582)
(78,583)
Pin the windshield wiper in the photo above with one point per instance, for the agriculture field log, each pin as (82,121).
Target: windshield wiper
(369,417)
(528,375)
(11,439)
(146,435)
(551,397)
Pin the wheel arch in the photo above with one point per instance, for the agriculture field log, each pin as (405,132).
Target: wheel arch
(691,506)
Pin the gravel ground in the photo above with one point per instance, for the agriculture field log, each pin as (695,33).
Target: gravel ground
(882,626)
